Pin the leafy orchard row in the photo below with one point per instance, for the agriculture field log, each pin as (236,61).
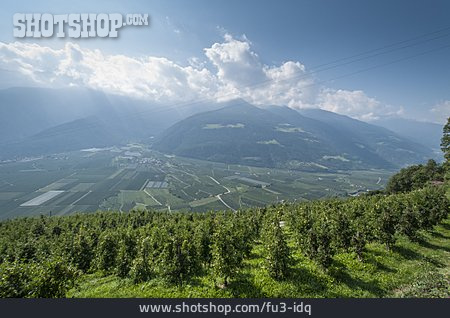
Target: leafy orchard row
(42,257)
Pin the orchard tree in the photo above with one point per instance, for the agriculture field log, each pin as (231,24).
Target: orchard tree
(81,254)
(410,213)
(46,279)
(278,258)
(52,279)
(15,279)
(415,177)
(126,254)
(301,222)
(107,252)
(202,240)
(436,204)
(243,232)
(179,259)
(226,256)
(386,214)
(321,240)
(141,270)
(342,229)
(361,225)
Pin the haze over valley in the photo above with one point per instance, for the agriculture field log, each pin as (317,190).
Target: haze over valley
(78,150)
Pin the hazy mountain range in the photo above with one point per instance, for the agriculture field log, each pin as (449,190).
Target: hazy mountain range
(285,138)
(36,121)
(423,132)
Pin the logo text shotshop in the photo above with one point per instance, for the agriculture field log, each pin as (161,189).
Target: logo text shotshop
(75,25)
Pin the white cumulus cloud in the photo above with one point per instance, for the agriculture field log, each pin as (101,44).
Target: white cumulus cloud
(355,104)
(243,75)
(147,77)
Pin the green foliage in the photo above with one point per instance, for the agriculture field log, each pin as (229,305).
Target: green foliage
(409,219)
(361,224)
(141,270)
(301,221)
(52,279)
(436,205)
(382,274)
(48,279)
(38,228)
(323,228)
(126,254)
(277,252)
(321,247)
(40,257)
(202,239)
(415,177)
(429,285)
(227,254)
(386,213)
(15,279)
(178,260)
(243,231)
(107,252)
(342,229)
(27,251)
(81,252)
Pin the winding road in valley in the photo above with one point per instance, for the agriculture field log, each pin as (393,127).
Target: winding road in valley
(219,195)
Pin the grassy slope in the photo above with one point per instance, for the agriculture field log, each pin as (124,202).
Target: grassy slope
(420,269)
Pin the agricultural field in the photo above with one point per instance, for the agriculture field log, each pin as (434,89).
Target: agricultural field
(135,177)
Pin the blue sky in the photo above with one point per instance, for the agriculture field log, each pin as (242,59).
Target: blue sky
(268,35)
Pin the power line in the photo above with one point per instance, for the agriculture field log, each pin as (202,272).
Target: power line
(385,47)
(382,65)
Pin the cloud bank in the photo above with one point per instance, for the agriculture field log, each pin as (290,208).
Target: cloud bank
(228,70)
(440,112)
(356,104)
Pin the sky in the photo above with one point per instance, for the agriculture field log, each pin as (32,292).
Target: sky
(365,59)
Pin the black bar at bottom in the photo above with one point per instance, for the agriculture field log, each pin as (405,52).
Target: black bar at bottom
(210,307)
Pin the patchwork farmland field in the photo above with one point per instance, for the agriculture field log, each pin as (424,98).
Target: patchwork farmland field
(108,179)
(41,199)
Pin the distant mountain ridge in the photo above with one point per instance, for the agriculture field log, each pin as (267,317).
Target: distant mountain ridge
(36,121)
(426,133)
(285,138)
